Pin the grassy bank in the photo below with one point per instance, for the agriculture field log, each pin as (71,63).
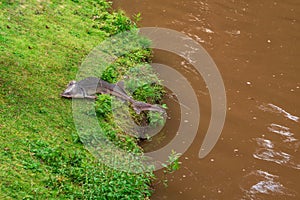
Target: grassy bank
(42,44)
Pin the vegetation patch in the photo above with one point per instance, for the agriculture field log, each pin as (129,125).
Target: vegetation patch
(42,44)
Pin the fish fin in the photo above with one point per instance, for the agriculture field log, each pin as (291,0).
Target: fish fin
(121,85)
(90,97)
(139,106)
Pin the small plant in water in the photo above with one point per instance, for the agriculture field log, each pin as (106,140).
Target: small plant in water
(137,17)
(173,164)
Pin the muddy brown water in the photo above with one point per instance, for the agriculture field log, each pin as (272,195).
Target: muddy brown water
(256,47)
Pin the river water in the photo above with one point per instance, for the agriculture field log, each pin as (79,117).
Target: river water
(256,46)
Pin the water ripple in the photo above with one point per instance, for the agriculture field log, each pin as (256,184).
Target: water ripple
(258,183)
(287,135)
(276,109)
(278,157)
(271,150)
(280,144)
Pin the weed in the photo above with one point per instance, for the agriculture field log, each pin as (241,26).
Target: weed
(173,163)
(171,166)
(137,17)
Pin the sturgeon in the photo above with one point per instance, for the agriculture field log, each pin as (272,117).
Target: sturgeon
(89,87)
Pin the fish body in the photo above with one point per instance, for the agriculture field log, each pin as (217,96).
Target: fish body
(89,87)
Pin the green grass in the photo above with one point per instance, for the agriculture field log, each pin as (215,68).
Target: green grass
(42,44)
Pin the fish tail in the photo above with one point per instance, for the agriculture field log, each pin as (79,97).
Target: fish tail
(139,106)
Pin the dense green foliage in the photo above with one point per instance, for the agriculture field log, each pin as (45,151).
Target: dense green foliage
(42,44)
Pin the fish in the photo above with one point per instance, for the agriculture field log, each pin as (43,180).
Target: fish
(89,87)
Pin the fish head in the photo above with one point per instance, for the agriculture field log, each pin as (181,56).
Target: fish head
(73,91)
